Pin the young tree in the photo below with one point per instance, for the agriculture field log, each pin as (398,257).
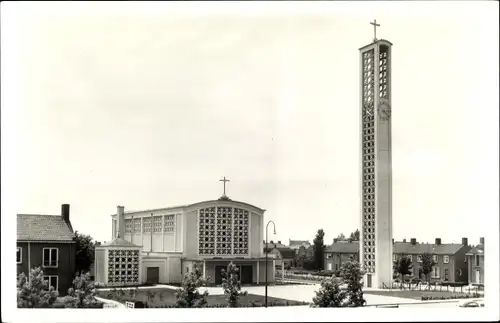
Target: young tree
(427,264)
(232,285)
(35,293)
(341,237)
(85,251)
(188,295)
(330,294)
(352,276)
(403,266)
(82,294)
(354,236)
(319,249)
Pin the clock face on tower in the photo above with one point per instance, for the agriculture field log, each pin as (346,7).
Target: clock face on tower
(384,109)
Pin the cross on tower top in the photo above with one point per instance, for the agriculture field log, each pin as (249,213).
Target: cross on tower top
(224,180)
(375,25)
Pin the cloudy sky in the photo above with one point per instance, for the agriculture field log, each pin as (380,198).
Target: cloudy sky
(149,107)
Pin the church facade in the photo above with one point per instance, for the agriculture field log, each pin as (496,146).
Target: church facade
(212,233)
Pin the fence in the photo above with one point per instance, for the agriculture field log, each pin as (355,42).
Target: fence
(436,287)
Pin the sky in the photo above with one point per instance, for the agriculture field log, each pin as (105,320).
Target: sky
(149,107)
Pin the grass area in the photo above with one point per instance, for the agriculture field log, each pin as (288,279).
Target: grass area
(165,297)
(411,294)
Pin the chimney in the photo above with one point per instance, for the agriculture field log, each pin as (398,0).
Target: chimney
(279,241)
(465,241)
(413,241)
(392,240)
(97,243)
(438,241)
(272,241)
(120,220)
(404,240)
(65,212)
(335,240)
(481,241)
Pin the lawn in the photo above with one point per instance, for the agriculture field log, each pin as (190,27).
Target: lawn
(166,297)
(411,294)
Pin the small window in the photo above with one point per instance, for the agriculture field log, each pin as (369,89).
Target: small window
(477,260)
(394,257)
(419,258)
(52,281)
(446,259)
(50,257)
(435,258)
(411,258)
(19,255)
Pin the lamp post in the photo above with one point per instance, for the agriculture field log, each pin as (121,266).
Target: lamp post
(274,231)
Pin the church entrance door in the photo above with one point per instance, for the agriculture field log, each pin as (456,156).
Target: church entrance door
(246,274)
(153,275)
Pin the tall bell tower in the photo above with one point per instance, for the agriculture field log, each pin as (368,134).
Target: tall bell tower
(376,163)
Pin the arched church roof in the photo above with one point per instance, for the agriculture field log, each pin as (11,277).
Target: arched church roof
(220,200)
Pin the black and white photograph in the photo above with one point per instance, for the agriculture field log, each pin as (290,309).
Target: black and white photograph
(250,161)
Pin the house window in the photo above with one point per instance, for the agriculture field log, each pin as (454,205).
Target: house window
(169,223)
(435,258)
(157,224)
(411,258)
(19,255)
(446,274)
(446,259)
(52,281)
(435,272)
(50,257)
(137,225)
(477,260)
(419,258)
(394,257)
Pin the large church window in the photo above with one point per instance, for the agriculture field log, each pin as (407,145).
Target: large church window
(224,231)
(206,231)
(240,225)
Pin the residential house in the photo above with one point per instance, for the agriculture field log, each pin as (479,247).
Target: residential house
(299,247)
(340,252)
(449,258)
(47,241)
(475,263)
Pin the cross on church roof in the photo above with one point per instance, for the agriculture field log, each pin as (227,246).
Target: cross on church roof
(224,180)
(375,25)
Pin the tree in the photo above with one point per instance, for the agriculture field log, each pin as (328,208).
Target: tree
(35,293)
(427,264)
(341,237)
(403,266)
(82,294)
(85,251)
(232,285)
(330,294)
(319,249)
(354,236)
(352,276)
(188,295)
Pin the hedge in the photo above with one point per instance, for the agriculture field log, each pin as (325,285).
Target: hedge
(250,304)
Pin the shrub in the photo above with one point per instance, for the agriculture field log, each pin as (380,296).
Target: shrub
(82,294)
(232,285)
(330,295)
(188,295)
(35,293)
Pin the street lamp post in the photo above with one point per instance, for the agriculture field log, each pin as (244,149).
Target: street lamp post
(274,229)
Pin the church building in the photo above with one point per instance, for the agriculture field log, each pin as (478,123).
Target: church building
(161,245)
